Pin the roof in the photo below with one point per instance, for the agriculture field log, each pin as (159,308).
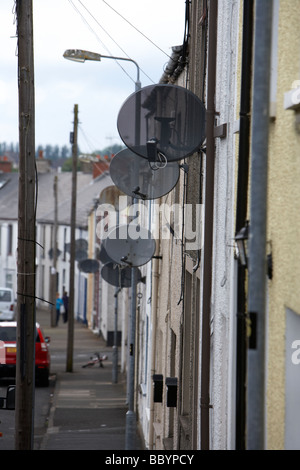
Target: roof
(9,196)
(88,189)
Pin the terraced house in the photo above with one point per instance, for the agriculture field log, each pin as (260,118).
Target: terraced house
(215,357)
(218,341)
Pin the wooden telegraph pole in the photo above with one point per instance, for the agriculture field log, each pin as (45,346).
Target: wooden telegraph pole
(24,414)
(53,278)
(70,343)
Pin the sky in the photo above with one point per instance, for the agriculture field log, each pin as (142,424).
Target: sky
(144,30)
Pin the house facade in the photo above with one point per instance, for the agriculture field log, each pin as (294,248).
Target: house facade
(52,273)
(195,369)
(283,222)
(8,230)
(210,372)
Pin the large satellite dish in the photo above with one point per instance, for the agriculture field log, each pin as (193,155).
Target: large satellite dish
(162,122)
(118,276)
(130,245)
(103,256)
(137,178)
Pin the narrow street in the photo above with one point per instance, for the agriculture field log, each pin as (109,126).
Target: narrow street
(79,410)
(43,399)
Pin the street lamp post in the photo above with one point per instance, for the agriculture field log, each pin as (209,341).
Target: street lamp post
(79,55)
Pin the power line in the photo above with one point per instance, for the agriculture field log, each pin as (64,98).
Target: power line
(98,38)
(106,32)
(110,37)
(134,27)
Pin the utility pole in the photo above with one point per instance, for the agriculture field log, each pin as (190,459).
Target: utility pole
(69,365)
(115,346)
(24,410)
(54,254)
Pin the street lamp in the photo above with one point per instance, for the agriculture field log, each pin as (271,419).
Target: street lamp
(78,55)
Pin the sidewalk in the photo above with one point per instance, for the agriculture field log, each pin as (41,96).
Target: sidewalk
(88,411)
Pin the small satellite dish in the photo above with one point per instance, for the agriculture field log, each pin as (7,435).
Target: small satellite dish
(81,244)
(51,253)
(162,123)
(80,255)
(130,245)
(88,265)
(118,276)
(136,177)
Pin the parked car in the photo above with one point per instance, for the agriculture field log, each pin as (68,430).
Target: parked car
(8,353)
(7,304)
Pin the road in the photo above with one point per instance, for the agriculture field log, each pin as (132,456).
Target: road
(43,396)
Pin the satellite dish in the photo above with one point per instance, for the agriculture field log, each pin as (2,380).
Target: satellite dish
(103,256)
(51,253)
(130,245)
(136,177)
(118,276)
(80,245)
(88,265)
(162,123)
(80,255)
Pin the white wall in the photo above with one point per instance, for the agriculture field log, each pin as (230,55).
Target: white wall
(8,253)
(223,290)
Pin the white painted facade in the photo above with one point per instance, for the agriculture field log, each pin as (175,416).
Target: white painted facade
(8,253)
(170,337)
(223,321)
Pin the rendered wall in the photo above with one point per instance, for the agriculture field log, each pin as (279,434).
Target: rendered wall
(283,220)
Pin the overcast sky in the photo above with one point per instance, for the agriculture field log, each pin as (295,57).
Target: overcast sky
(99,89)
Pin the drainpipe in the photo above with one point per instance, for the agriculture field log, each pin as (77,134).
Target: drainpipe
(258,222)
(241,217)
(154,296)
(208,228)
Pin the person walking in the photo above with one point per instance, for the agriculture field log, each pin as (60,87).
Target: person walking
(59,303)
(66,305)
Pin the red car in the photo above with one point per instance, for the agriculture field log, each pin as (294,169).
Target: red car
(8,353)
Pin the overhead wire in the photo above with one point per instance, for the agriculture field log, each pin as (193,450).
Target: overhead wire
(140,32)
(98,38)
(86,139)
(107,33)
